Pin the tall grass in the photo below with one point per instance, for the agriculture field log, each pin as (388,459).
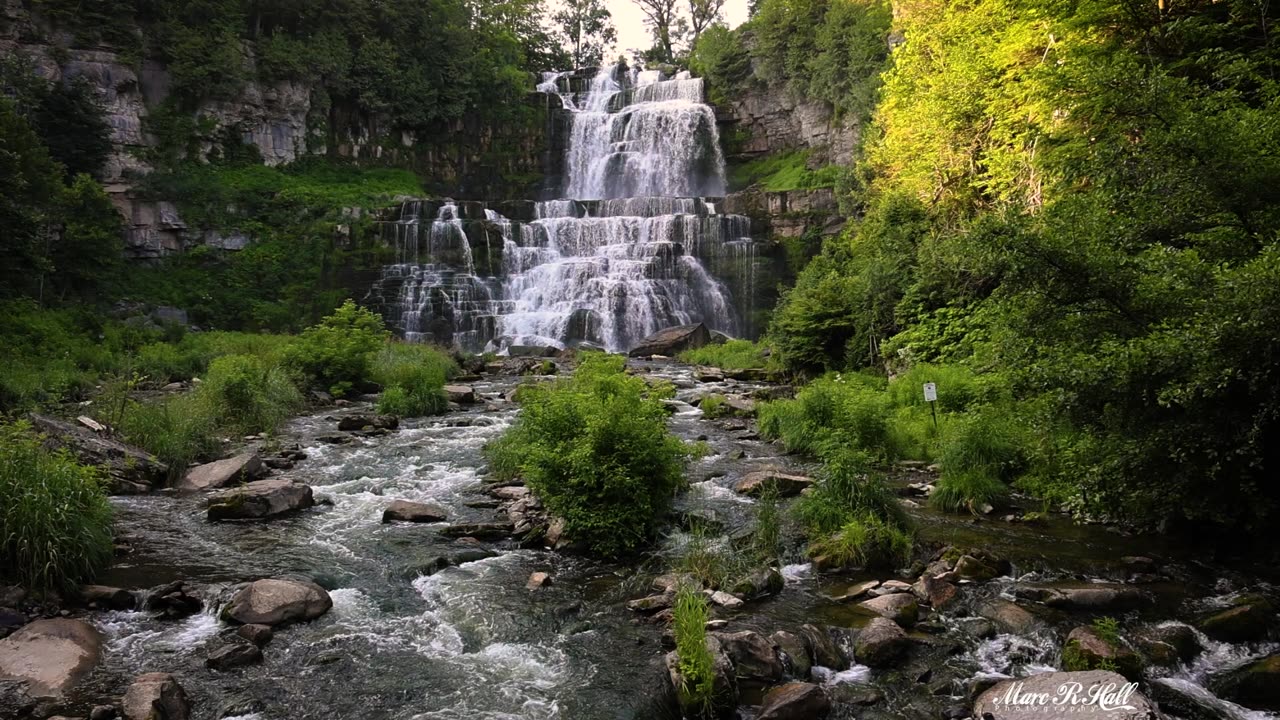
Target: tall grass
(55,521)
(697,666)
(731,355)
(985,449)
(829,415)
(852,518)
(708,557)
(412,378)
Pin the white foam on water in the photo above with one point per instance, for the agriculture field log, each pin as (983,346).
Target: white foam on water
(858,674)
(797,572)
(127,633)
(709,490)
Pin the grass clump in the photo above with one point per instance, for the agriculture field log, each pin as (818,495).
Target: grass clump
(596,449)
(831,414)
(986,449)
(55,521)
(244,394)
(412,378)
(697,666)
(967,491)
(851,518)
(730,355)
(714,406)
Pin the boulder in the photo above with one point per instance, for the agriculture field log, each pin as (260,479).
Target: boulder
(174,601)
(1087,649)
(257,634)
(1035,696)
(856,590)
(107,598)
(277,601)
(938,593)
(463,394)
(50,655)
(672,341)
(1256,685)
(538,580)
(1168,644)
(759,583)
(131,469)
(1246,619)
(969,567)
(724,686)
(652,603)
(1094,598)
(901,608)
(795,701)
(708,374)
(724,599)
(795,651)
(755,659)
(532,351)
(787,485)
(738,406)
(1009,617)
(229,657)
(1179,698)
(826,653)
(881,643)
(211,476)
(155,696)
(408,511)
(260,500)
(350,423)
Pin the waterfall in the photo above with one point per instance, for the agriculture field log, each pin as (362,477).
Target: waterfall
(633,247)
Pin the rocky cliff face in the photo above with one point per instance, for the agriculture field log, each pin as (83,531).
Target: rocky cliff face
(760,120)
(284,122)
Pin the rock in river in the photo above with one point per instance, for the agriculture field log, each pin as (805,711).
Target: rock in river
(787,485)
(795,701)
(1246,619)
(881,643)
(260,500)
(51,655)
(1018,699)
(233,656)
(901,608)
(155,696)
(755,659)
(278,601)
(408,511)
(214,475)
(672,341)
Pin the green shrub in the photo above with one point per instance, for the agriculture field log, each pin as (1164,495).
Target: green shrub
(709,557)
(852,517)
(782,172)
(596,449)
(412,377)
(844,411)
(55,521)
(337,354)
(729,355)
(989,440)
(697,667)
(967,490)
(766,539)
(714,406)
(246,395)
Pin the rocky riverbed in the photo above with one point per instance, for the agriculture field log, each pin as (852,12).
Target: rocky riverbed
(397,590)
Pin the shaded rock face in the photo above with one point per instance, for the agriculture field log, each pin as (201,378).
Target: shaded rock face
(260,500)
(1019,698)
(155,696)
(901,608)
(131,469)
(881,643)
(1086,649)
(673,340)
(755,660)
(1247,619)
(1256,685)
(220,474)
(50,655)
(278,601)
(795,701)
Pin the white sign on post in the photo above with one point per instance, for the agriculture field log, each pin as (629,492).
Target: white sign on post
(930,392)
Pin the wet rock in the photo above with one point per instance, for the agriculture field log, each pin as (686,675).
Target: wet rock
(416,512)
(851,694)
(672,341)
(229,657)
(155,696)
(220,474)
(511,492)
(1256,685)
(481,531)
(826,653)
(1093,598)
(881,643)
(50,655)
(278,601)
(1009,617)
(107,598)
(755,659)
(257,634)
(738,406)
(103,712)
(1168,644)
(708,374)
(532,351)
(901,608)
(795,652)
(1087,649)
(938,593)
(795,701)
(463,394)
(1247,619)
(1139,564)
(856,590)
(759,583)
(538,580)
(260,500)
(652,603)
(724,686)
(671,582)
(335,439)
(1180,698)
(969,567)
(278,463)
(993,704)
(349,423)
(787,485)
(174,601)
(724,599)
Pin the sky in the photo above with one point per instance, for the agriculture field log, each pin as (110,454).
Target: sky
(632,33)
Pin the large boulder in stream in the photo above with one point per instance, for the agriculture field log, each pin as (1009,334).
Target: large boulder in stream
(416,512)
(672,341)
(132,470)
(260,500)
(756,482)
(277,601)
(51,656)
(881,643)
(1087,649)
(1256,685)
(155,696)
(1245,619)
(212,476)
(755,659)
(1093,694)
(795,701)
(901,608)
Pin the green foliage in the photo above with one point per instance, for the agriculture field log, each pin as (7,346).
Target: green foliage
(781,172)
(713,406)
(596,450)
(697,667)
(248,395)
(830,415)
(967,491)
(709,558)
(179,430)
(1108,628)
(729,355)
(766,537)
(412,378)
(337,354)
(720,57)
(866,541)
(55,521)
(852,518)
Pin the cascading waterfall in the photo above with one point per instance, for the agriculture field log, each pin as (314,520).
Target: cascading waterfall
(632,248)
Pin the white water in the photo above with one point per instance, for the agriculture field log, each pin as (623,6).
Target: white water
(631,249)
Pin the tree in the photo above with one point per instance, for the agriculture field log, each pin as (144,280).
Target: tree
(665,23)
(29,182)
(587,27)
(702,13)
(88,253)
(71,121)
